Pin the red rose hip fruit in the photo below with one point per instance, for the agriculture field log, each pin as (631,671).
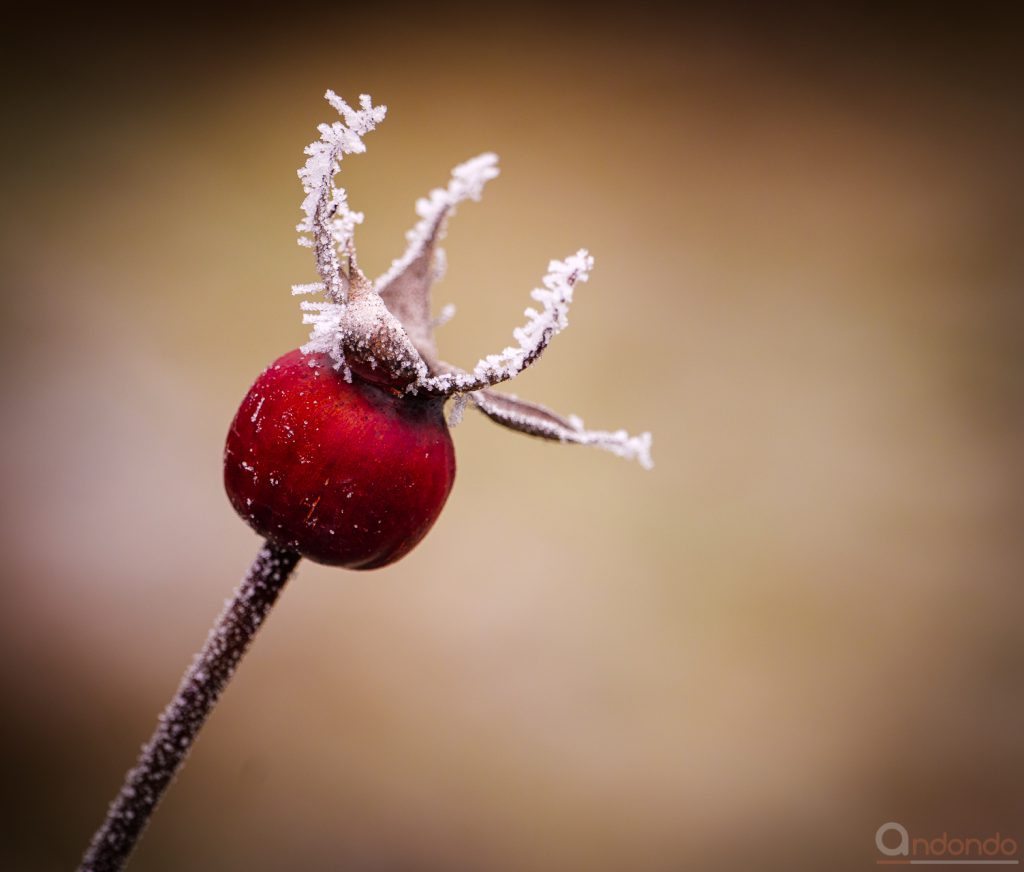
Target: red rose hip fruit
(346,473)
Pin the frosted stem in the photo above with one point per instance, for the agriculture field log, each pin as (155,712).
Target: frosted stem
(180,723)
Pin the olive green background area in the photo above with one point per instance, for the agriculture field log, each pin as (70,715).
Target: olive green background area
(805,622)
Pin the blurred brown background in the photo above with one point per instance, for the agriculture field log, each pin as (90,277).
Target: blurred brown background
(804,623)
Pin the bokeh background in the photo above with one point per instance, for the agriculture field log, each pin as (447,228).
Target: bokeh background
(804,623)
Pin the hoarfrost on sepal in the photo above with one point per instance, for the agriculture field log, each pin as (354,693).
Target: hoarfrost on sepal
(405,287)
(533,337)
(363,330)
(326,336)
(329,223)
(536,420)
(466,183)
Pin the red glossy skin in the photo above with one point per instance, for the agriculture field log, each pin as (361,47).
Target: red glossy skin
(347,474)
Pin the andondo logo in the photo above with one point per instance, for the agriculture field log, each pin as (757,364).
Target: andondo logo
(899,848)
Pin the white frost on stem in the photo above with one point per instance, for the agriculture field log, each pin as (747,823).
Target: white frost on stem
(467,183)
(329,223)
(533,337)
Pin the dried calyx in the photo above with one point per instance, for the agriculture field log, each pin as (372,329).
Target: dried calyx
(383,331)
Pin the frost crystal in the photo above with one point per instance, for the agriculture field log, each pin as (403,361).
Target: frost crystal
(444,316)
(457,409)
(387,327)
(326,336)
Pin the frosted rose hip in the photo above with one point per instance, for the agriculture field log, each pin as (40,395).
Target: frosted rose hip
(346,473)
(349,461)
(340,451)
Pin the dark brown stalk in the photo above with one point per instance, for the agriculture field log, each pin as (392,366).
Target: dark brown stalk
(180,723)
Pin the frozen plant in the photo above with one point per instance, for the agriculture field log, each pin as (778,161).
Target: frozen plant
(340,451)
(408,338)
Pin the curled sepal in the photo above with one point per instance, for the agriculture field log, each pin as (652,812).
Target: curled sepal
(536,420)
(533,337)
(405,287)
(329,223)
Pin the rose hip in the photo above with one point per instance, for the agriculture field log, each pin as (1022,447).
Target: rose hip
(346,473)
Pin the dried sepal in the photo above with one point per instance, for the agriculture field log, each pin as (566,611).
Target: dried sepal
(405,287)
(328,222)
(536,420)
(362,335)
(541,326)
(407,295)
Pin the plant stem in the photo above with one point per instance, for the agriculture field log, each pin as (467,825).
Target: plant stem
(180,723)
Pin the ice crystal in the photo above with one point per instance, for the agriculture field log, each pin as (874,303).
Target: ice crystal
(444,316)
(386,327)
(458,407)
